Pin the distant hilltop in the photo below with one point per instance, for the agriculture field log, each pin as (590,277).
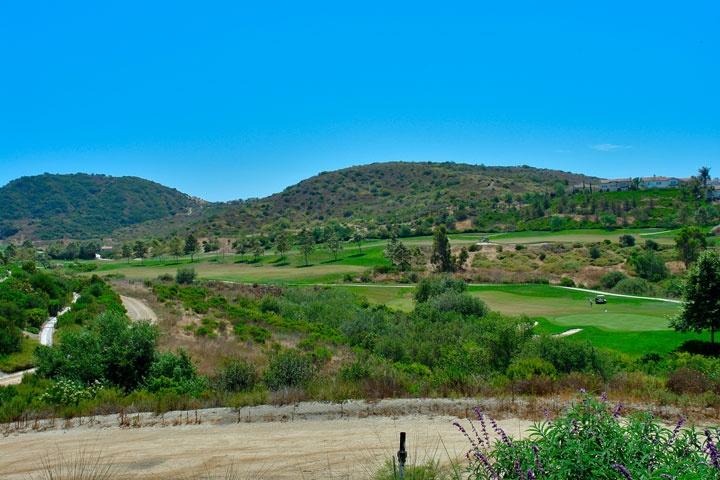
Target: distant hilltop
(408,198)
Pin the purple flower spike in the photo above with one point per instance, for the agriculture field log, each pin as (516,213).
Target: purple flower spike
(676,430)
(538,463)
(712,450)
(622,470)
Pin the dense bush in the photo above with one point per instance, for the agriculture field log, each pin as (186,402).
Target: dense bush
(185,276)
(236,376)
(610,279)
(649,265)
(289,368)
(433,286)
(452,301)
(627,241)
(592,440)
(568,356)
(175,373)
(112,350)
(634,286)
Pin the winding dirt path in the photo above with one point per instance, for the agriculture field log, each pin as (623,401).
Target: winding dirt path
(47,332)
(138,310)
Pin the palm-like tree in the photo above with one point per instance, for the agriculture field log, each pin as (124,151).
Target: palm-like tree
(704,176)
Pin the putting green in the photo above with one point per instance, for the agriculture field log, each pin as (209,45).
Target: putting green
(624,322)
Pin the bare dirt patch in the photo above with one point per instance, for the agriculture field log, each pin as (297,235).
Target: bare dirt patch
(306,440)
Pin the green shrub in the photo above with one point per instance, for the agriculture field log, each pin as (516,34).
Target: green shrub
(652,245)
(176,373)
(113,350)
(289,368)
(355,371)
(185,276)
(10,337)
(461,303)
(436,285)
(592,441)
(236,376)
(566,355)
(649,266)
(567,282)
(610,279)
(35,317)
(634,286)
(529,367)
(270,303)
(627,241)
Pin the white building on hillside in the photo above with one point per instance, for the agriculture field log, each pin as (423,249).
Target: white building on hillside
(615,185)
(659,182)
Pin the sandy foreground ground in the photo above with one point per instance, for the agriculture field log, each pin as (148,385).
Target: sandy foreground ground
(308,441)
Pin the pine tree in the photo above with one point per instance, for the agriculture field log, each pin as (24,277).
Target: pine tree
(441,256)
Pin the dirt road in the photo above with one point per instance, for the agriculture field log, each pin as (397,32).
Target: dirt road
(316,447)
(138,310)
(13,378)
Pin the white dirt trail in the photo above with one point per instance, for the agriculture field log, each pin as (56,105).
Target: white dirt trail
(47,332)
(138,310)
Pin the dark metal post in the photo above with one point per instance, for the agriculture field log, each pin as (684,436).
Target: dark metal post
(402,456)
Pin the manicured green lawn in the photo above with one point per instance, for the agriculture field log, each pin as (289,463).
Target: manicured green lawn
(584,236)
(631,326)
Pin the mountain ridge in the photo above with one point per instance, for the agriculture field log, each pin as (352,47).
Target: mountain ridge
(82,205)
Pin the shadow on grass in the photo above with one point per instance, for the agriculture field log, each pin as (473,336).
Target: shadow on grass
(700,347)
(334,260)
(248,261)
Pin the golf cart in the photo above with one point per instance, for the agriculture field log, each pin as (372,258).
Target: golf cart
(600,300)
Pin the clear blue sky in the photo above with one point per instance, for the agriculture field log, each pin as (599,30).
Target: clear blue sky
(231,100)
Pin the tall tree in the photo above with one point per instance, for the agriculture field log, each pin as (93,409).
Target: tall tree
(126,251)
(241,246)
(442,257)
(257,247)
(307,244)
(10,252)
(704,176)
(157,248)
(140,249)
(334,245)
(358,237)
(701,297)
(689,242)
(191,246)
(462,258)
(282,243)
(398,254)
(176,247)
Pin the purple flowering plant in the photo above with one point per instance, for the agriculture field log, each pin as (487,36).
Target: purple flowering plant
(593,440)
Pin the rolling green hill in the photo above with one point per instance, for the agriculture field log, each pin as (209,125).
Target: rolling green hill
(413,195)
(83,206)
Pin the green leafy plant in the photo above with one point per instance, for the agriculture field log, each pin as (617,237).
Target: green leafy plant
(592,440)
